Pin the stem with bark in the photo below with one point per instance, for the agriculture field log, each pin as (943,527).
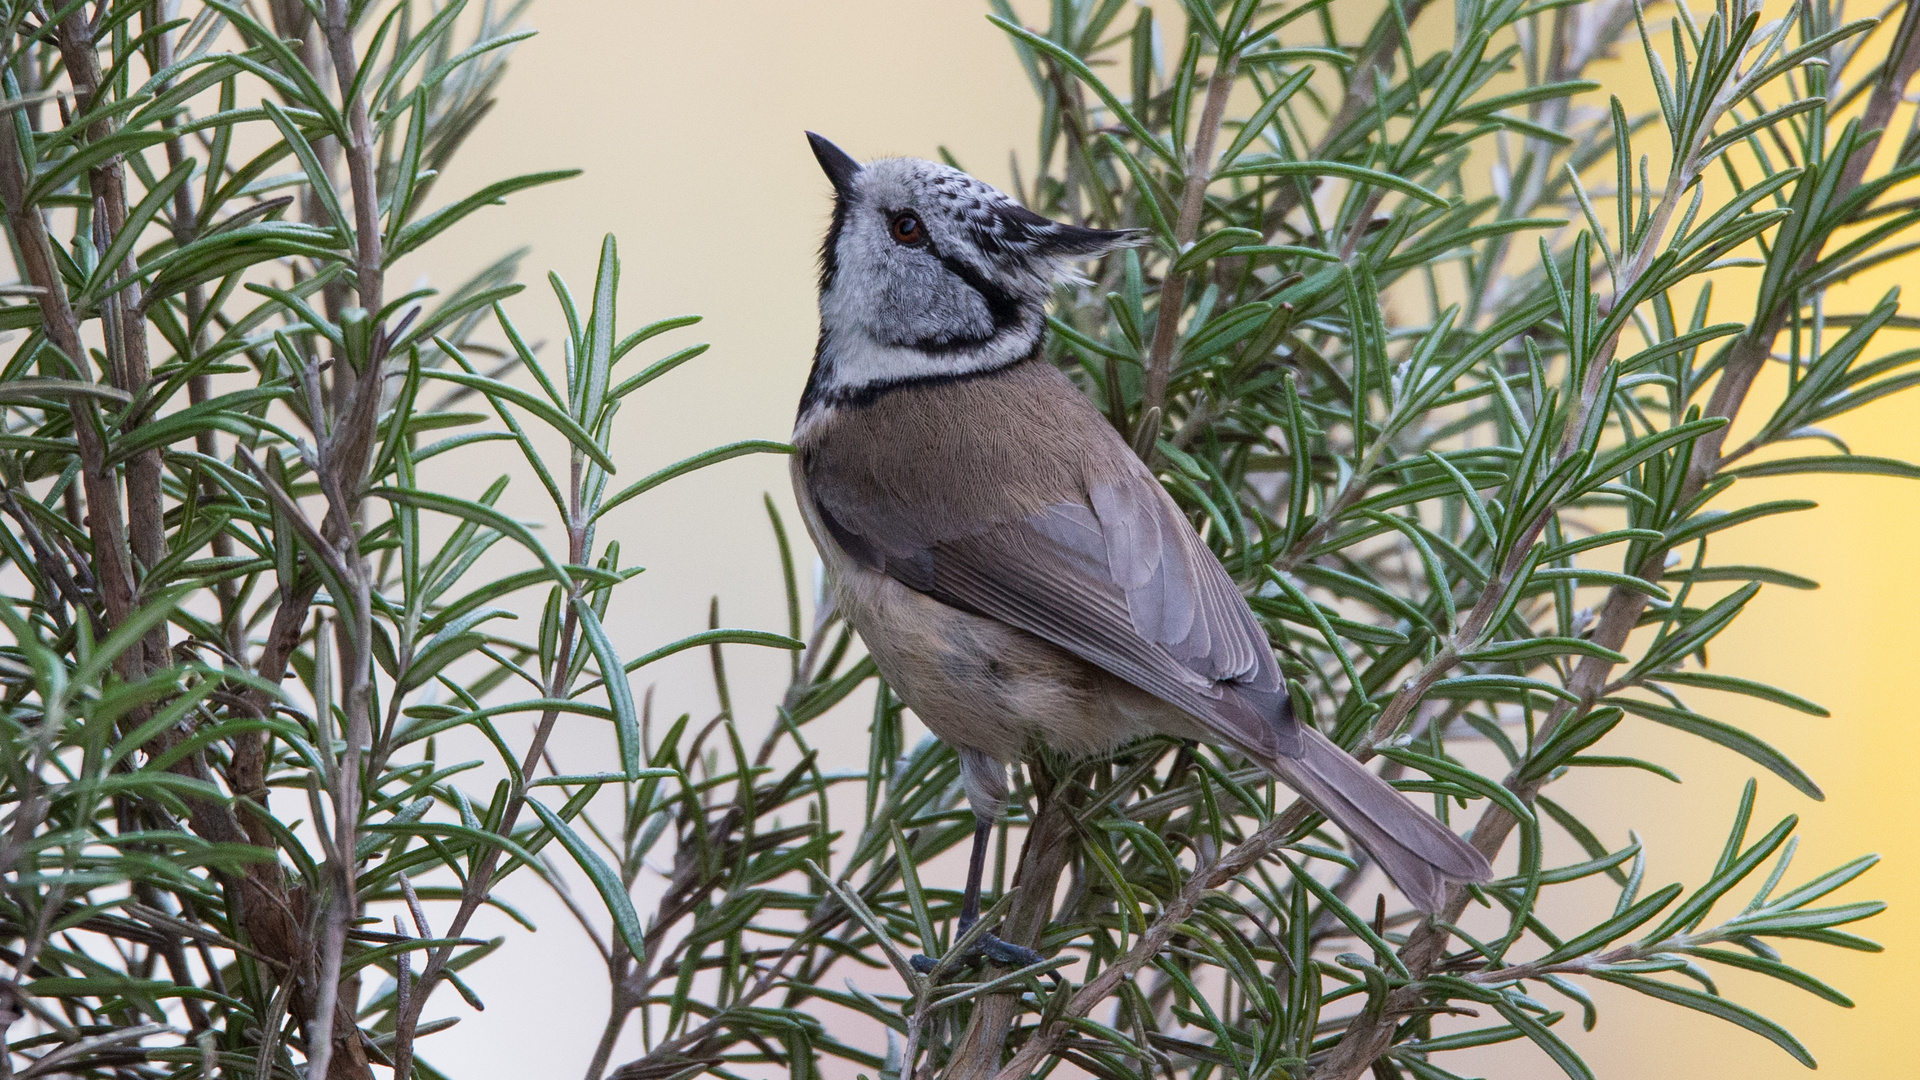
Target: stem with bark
(345,453)
(1173,289)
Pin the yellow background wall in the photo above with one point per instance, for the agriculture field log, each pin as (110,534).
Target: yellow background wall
(687,119)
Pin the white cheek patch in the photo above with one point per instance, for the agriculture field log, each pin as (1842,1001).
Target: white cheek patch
(919,300)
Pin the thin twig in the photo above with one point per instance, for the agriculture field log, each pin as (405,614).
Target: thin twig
(1749,352)
(1173,289)
(1355,103)
(112,561)
(345,453)
(126,331)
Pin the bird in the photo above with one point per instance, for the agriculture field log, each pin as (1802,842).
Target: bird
(1016,572)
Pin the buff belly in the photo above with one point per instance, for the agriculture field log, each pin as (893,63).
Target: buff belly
(981,685)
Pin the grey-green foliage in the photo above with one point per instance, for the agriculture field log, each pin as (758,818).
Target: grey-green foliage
(1456,439)
(232,641)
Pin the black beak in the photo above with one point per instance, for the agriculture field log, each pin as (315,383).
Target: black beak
(835,163)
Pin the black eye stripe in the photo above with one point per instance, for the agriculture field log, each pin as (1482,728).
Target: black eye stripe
(1002,306)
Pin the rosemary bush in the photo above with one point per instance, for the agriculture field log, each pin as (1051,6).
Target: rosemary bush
(236,617)
(1428,345)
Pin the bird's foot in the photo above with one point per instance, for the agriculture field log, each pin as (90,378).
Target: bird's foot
(990,949)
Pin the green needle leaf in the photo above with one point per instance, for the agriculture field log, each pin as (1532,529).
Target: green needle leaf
(605,881)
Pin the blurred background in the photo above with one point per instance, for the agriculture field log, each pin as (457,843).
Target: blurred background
(688,122)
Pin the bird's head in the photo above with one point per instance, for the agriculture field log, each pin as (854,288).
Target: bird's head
(927,272)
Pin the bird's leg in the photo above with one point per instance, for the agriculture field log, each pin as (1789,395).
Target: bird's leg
(976,868)
(986,789)
(989,947)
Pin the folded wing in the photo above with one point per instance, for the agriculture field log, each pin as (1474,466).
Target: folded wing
(1116,577)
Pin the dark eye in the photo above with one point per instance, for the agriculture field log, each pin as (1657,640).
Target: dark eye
(906,228)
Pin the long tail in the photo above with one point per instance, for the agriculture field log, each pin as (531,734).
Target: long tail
(1418,853)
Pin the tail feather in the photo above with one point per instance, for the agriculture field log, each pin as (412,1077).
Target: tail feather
(1417,852)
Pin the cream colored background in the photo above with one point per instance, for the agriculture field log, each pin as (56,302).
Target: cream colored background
(687,119)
